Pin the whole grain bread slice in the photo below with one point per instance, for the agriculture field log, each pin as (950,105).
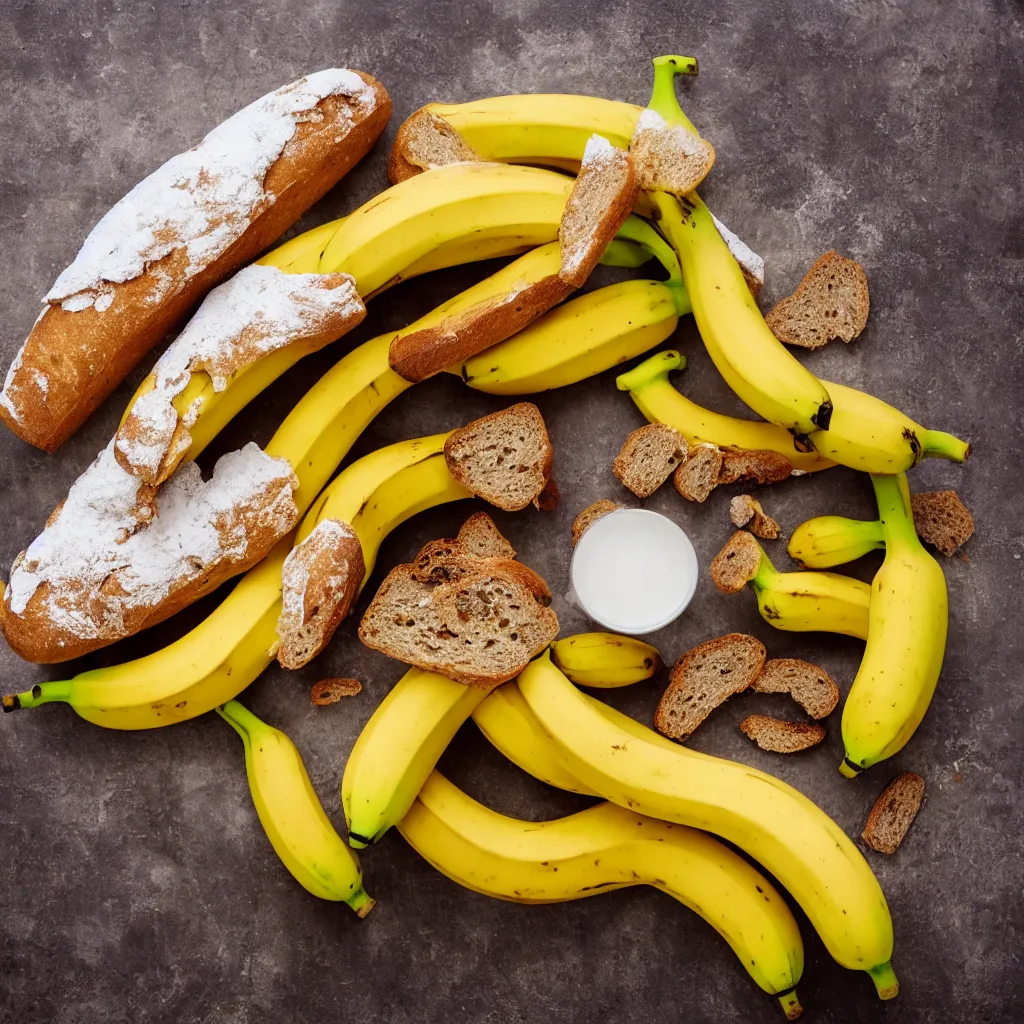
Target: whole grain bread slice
(893,813)
(942,520)
(426,140)
(479,536)
(669,158)
(766,467)
(737,563)
(705,677)
(745,510)
(810,686)
(505,457)
(648,457)
(831,301)
(590,515)
(782,737)
(698,476)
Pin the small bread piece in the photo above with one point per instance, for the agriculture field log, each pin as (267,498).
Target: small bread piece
(320,579)
(481,538)
(737,563)
(590,515)
(185,228)
(942,520)
(811,687)
(480,629)
(698,476)
(766,467)
(504,458)
(600,201)
(648,457)
(893,813)
(705,677)
(782,737)
(118,556)
(831,301)
(330,691)
(745,510)
(669,158)
(425,140)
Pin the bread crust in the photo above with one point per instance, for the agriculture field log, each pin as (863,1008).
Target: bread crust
(82,356)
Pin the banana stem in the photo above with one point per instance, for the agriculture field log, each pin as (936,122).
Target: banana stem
(940,445)
(663,95)
(241,719)
(361,902)
(41,693)
(885,980)
(636,229)
(654,370)
(894,510)
(790,1005)
(766,574)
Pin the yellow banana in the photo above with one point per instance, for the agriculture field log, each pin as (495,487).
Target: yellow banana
(605,660)
(301,254)
(291,814)
(398,748)
(606,847)
(648,385)
(776,825)
(825,541)
(906,638)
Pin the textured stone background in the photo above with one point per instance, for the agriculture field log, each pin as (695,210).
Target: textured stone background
(138,885)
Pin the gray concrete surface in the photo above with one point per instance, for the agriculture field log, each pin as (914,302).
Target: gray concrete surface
(137,884)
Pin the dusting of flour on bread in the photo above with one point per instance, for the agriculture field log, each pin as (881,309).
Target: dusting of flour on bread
(201,200)
(741,252)
(597,152)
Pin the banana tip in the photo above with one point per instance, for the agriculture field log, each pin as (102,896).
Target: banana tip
(11,702)
(849,770)
(886,983)
(362,903)
(790,1004)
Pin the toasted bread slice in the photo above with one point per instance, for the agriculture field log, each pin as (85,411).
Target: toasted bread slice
(893,813)
(697,477)
(942,520)
(831,301)
(737,563)
(481,538)
(330,691)
(589,516)
(811,687)
(505,458)
(766,467)
(704,678)
(745,510)
(426,140)
(320,579)
(669,158)
(600,200)
(782,737)
(648,457)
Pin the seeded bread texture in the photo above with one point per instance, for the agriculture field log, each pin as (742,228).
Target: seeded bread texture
(479,536)
(893,813)
(648,457)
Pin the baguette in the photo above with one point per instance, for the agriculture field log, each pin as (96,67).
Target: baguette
(190,224)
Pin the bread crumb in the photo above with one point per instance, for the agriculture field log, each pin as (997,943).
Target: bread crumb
(330,691)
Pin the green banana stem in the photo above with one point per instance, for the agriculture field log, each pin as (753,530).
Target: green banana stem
(885,980)
(663,95)
(240,718)
(894,510)
(766,574)
(636,229)
(41,693)
(650,371)
(940,445)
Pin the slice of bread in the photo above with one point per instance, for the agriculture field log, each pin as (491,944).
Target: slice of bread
(330,691)
(782,737)
(648,457)
(811,687)
(426,140)
(480,537)
(830,302)
(705,677)
(669,158)
(481,629)
(440,561)
(766,467)
(942,520)
(737,563)
(697,477)
(893,813)
(589,516)
(745,510)
(320,580)
(600,200)
(504,458)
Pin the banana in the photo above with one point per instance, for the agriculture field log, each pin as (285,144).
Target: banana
(825,541)
(776,825)
(605,660)
(300,832)
(906,638)
(606,847)
(398,748)
(301,254)
(648,385)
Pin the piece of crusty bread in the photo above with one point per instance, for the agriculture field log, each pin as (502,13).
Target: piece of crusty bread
(480,537)
(831,301)
(86,341)
(320,579)
(737,563)
(782,737)
(745,510)
(942,520)
(601,199)
(766,467)
(330,691)
(505,457)
(648,457)
(697,477)
(590,515)
(481,628)
(705,677)
(810,686)
(425,140)
(669,158)
(893,812)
